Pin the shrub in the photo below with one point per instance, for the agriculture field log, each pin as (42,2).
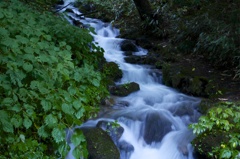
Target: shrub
(48,83)
(221,125)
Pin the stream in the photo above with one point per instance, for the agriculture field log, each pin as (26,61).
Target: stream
(156,117)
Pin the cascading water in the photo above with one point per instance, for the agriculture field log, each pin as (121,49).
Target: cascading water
(156,119)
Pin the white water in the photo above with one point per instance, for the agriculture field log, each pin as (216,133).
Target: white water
(153,99)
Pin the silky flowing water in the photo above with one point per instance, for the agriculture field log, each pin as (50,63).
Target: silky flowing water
(156,118)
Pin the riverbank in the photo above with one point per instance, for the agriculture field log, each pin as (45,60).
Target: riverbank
(189,73)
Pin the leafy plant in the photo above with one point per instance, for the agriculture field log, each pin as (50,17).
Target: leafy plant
(222,121)
(48,83)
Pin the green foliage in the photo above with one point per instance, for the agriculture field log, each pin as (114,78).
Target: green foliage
(222,119)
(209,28)
(113,9)
(48,83)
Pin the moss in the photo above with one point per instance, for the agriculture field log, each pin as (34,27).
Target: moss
(206,142)
(112,71)
(187,81)
(100,144)
(125,89)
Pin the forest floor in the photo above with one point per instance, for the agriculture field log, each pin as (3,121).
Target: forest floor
(228,86)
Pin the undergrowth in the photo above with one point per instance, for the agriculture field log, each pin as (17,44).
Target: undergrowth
(49,82)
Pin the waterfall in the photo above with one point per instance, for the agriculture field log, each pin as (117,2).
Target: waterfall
(156,119)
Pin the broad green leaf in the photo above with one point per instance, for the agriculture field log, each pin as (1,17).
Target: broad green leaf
(96,82)
(3,31)
(42,132)
(72,90)
(7,101)
(4,120)
(46,105)
(80,113)
(17,121)
(225,153)
(22,137)
(58,134)
(77,104)
(77,137)
(66,108)
(50,120)
(77,153)
(63,149)
(28,67)
(27,122)
(34,84)
(29,50)
(1,15)
(22,39)
(16,107)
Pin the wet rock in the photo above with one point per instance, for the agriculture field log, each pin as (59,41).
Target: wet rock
(113,72)
(183,149)
(113,129)
(100,144)
(134,59)
(156,127)
(124,89)
(128,45)
(125,146)
(77,23)
(182,110)
(185,81)
(61,2)
(128,53)
(69,10)
(207,143)
(122,104)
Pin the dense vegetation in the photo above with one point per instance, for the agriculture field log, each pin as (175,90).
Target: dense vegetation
(222,122)
(49,82)
(204,28)
(207,29)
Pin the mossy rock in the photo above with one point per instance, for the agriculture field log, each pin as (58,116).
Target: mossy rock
(128,45)
(124,89)
(100,144)
(112,71)
(185,80)
(206,142)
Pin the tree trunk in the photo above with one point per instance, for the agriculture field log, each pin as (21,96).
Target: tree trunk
(144,9)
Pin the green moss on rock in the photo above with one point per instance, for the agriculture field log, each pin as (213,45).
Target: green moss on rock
(100,144)
(185,80)
(124,89)
(112,71)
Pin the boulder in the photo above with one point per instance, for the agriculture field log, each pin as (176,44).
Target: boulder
(156,127)
(69,10)
(100,144)
(185,80)
(183,110)
(128,53)
(128,45)
(113,72)
(60,2)
(125,146)
(113,129)
(134,59)
(124,89)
